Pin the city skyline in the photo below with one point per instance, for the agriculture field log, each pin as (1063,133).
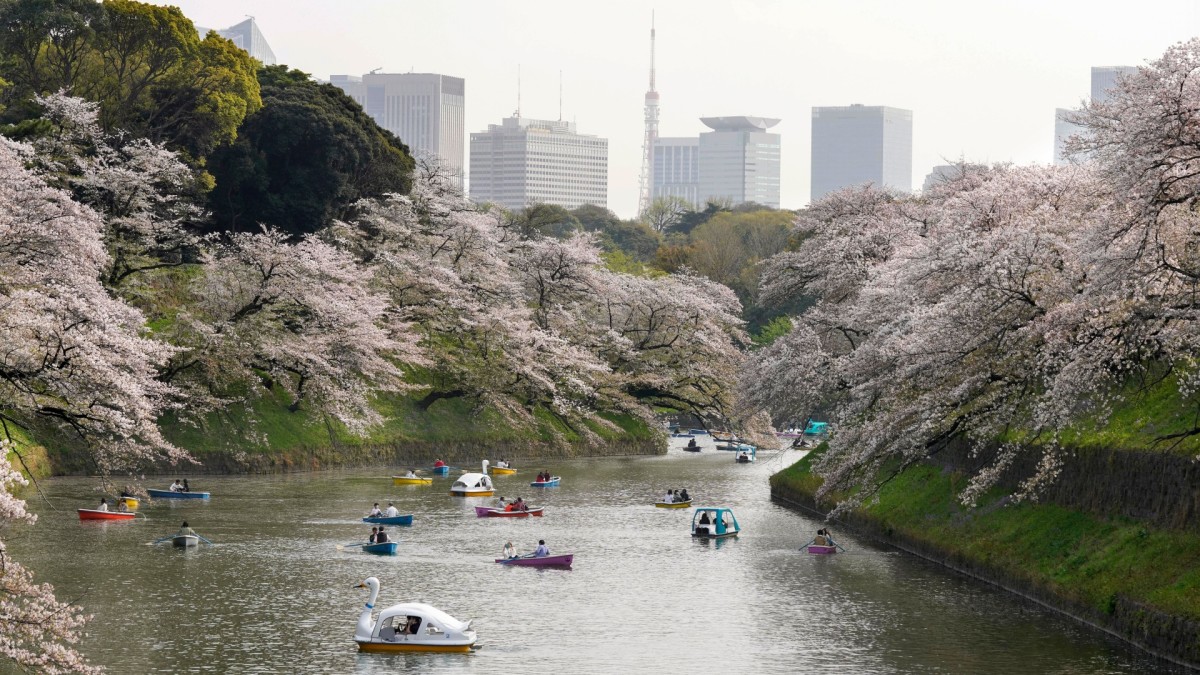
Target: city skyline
(981,80)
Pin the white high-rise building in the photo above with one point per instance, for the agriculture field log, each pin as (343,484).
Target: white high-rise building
(676,171)
(739,160)
(524,161)
(246,36)
(1104,79)
(425,110)
(857,144)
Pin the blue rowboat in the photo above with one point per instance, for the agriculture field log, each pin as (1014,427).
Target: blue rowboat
(394,520)
(553,482)
(167,494)
(386,548)
(443,470)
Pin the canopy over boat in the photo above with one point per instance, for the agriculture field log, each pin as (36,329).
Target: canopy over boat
(167,494)
(410,627)
(553,482)
(473,485)
(710,521)
(411,480)
(745,454)
(563,560)
(492,512)
(93,514)
(392,520)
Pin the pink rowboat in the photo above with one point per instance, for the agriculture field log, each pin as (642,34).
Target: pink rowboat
(544,561)
(489,512)
(93,514)
(822,550)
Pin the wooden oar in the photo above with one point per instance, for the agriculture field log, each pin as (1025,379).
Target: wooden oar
(342,547)
(160,539)
(810,541)
(204,540)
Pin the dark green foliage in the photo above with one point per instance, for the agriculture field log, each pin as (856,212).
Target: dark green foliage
(634,239)
(303,159)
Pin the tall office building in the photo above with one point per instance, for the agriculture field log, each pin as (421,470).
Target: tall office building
(676,171)
(857,144)
(425,110)
(524,161)
(246,36)
(739,160)
(1104,79)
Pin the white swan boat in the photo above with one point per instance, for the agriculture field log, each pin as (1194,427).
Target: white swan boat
(410,627)
(474,484)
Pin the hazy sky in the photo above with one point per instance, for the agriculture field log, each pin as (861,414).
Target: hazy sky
(982,78)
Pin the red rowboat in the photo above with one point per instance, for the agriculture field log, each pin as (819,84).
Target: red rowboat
(93,514)
(489,512)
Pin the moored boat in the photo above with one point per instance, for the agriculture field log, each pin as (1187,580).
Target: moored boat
(389,520)
(411,480)
(410,627)
(681,435)
(93,514)
(714,522)
(384,548)
(673,505)
(492,512)
(167,494)
(563,560)
(822,550)
(185,540)
(474,484)
(553,482)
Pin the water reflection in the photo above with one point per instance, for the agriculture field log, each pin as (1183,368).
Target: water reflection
(274,594)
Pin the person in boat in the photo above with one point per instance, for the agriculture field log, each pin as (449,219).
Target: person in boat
(437,464)
(670,498)
(381,536)
(176,486)
(820,539)
(704,519)
(185,530)
(683,496)
(414,625)
(678,497)
(542,550)
(829,538)
(510,551)
(103,504)
(391,512)
(375,512)
(186,487)
(520,505)
(410,473)
(502,464)
(374,535)
(691,443)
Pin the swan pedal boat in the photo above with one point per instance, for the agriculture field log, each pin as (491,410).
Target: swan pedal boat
(563,560)
(473,485)
(673,505)
(435,630)
(389,520)
(493,512)
(822,550)
(411,480)
(94,514)
(167,494)
(721,523)
(384,548)
(185,540)
(553,482)
(503,471)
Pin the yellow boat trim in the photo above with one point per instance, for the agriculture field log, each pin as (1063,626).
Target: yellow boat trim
(501,471)
(384,647)
(673,505)
(473,493)
(404,480)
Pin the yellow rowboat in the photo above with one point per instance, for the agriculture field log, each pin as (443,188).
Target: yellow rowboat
(673,505)
(500,471)
(130,503)
(405,480)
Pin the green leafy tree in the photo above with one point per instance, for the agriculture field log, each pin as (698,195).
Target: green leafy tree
(303,159)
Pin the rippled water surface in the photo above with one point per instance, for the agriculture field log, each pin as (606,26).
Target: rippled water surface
(275,594)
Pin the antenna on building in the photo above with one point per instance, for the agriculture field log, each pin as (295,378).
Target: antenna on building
(374,70)
(560,96)
(517,114)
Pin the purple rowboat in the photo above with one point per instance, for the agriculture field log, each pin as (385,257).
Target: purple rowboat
(822,550)
(544,561)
